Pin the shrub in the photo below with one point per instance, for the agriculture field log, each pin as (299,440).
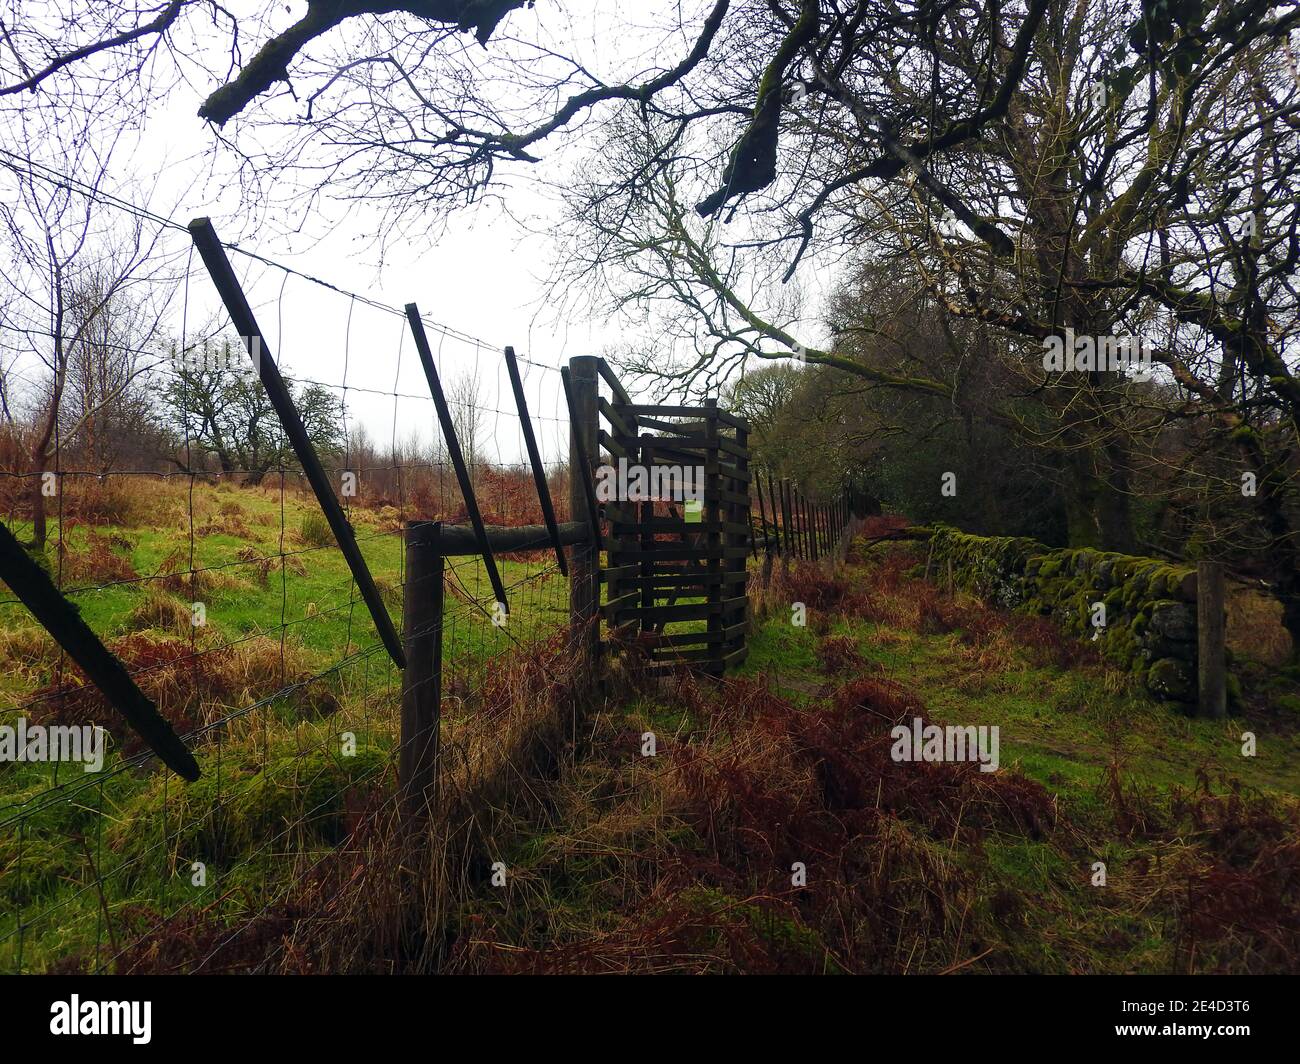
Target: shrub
(841,654)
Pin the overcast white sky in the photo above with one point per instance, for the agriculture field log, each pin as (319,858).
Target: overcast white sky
(483,276)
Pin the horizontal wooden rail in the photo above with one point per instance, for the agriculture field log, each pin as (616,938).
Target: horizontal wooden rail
(692,412)
(463,539)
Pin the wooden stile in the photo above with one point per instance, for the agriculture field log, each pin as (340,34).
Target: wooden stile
(677,562)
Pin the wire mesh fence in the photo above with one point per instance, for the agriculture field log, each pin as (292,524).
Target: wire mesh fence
(167,505)
(230,512)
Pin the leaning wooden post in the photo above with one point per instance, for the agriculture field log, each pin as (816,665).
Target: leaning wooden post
(32,585)
(1211,665)
(417,765)
(584,558)
(213,253)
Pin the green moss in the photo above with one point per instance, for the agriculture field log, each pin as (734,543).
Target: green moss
(1120,645)
(1172,680)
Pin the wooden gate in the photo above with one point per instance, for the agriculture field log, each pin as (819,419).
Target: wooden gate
(674,569)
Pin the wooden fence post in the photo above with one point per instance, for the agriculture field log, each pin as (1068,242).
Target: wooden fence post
(1211,664)
(584,558)
(778,523)
(814,542)
(801,524)
(417,765)
(714,515)
(767,540)
(788,552)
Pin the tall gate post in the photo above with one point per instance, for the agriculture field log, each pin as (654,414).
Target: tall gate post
(584,589)
(417,764)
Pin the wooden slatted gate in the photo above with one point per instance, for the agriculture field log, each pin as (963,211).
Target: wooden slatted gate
(675,569)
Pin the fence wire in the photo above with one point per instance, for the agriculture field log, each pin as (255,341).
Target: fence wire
(168,508)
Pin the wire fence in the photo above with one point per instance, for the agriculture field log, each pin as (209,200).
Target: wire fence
(230,513)
(196,551)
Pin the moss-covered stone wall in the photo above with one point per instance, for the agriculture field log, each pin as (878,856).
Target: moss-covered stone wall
(1150,605)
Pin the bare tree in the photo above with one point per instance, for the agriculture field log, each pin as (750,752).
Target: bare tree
(465,398)
(70,267)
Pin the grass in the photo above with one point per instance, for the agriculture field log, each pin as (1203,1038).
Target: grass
(616,861)
(682,862)
(237,544)
(286,664)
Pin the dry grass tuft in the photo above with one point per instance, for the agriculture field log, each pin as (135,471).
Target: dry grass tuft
(1255,629)
(263,565)
(99,562)
(161,610)
(697,846)
(29,650)
(174,575)
(191,685)
(228,521)
(383,900)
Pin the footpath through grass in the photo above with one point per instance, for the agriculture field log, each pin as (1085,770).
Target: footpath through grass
(773,831)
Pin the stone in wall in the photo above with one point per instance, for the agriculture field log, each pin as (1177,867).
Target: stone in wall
(1150,605)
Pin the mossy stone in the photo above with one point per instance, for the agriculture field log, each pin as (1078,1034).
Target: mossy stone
(1171,680)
